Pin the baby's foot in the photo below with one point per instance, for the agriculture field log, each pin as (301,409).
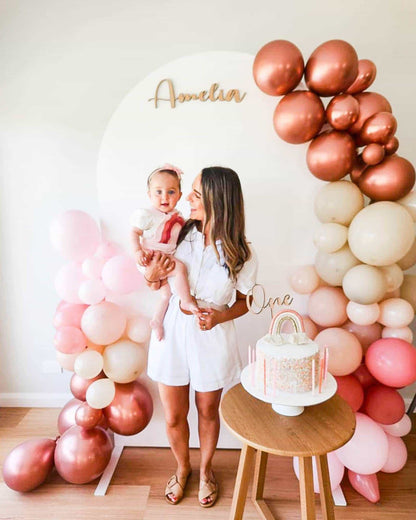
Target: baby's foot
(190,306)
(157,326)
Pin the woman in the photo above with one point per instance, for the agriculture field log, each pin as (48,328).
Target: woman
(202,350)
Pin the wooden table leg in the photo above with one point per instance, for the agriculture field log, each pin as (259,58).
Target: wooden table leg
(327,503)
(307,495)
(245,467)
(258,486)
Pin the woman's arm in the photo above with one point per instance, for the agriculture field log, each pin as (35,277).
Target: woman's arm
(209,318)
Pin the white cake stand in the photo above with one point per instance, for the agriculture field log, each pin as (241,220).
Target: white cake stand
(290,404)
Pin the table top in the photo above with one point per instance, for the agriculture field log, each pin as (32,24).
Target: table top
(319,429)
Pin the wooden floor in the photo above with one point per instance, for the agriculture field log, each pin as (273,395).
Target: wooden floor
(136,491)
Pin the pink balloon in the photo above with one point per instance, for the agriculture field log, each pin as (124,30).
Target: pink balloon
(392,361)
(103,323)
(364,376)
(401,333)
(345,352)
(79,386)
(366,452)
(66,417)
(363,314)
(82,455)
(92,267)
(383,404)
(396,312)
(366,485)
(69,314)
(335,467)
(27,466)
(67,282)
(88,417)
(70,340)
(91,291)
(366,334)
(350,389)
(327,306)
(75,235)
(311,329)
(305,280)
(397,455)
(107,249)
(120,275)
(400,428)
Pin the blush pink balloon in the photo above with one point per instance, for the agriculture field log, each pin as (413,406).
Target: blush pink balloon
(345,352)
(66,417)
(366,485)
(69,314)
(392,362)
(366,452)
(383,404)
(311,328)
(91,291)
(396,313)
(88,417)
(70,340)
(82,455)
(305,279)
(28,465)
(363,314)
(327,306)
(350,389)
(335,467)
(107,250)
(67,282)
(75,235)
(401,333)
(397,455)
(400,428)
(366,334)
(103,323)
(79,385)
(120,275)
(364,376)
(92,267)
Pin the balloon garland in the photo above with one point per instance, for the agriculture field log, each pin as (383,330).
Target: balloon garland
(361,303)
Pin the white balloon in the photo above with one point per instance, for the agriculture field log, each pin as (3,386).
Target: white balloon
(401,333)
(409,202)
(330,237)
(91,291)
(363,314)
(394,276)
(332,267)
(88,364)
(124,361)
(66,361)
(395,313)
(409,259)
(138,329)
(100,393)
(364,284)
(338,202)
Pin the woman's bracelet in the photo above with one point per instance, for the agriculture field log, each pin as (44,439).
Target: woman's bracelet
(150,281)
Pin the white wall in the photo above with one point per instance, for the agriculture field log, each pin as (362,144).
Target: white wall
(65,67)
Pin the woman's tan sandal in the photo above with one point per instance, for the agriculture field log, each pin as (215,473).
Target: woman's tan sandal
(208,492)
(175,488)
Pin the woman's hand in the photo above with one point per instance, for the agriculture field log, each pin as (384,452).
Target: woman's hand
(209,318)
(159,268)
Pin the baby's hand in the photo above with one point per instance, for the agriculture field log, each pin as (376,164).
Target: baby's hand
(143,257)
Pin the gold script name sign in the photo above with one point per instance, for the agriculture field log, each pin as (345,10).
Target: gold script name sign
(213,94)
(257,301)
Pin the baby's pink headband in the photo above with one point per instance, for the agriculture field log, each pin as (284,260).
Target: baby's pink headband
(178,172)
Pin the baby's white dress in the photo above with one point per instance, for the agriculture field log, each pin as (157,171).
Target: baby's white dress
(208,360)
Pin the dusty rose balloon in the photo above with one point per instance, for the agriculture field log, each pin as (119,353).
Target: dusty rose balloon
(82,455)
(397,455)
(366,485)
(364,377)
(311,329)
(393,275)
(366,75)
(366,334)
(332,68)
(350,389)
(332,267)
(378,128)
(370,103)
(305,280)
(391,146)
(27,466)
(298,117)
(79,385)
(69,314)
(408,289)
(342,111)
(383,404)
(391,179)
(401,333)
(338,202)
(66,417)
(345,352)
(409,202)
(87,417)
(69,340)
(131,409)
(396,312)
(400,428)
(327,307)
(330,156)
(278,67)
(357,168)
(363,314)
(372,154)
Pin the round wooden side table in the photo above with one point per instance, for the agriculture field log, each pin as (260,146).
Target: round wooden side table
(318,430)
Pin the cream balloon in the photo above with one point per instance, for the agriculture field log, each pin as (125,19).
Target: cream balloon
(103,323)
(124,361)
(392,294)
(338,202)
(88,364)
(100,393)
(408,289)
(363,314)
(401,333)
(138,329)
(409,259)
(66,361)
(345,352)
(381,233)
(330,237)
(393,275)
(364,284)
(305,280)
(332,267)
(396,313)
(409,202)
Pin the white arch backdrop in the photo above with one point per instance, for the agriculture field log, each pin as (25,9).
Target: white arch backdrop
(278,190)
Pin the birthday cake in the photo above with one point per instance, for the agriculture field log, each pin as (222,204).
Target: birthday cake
(286,362)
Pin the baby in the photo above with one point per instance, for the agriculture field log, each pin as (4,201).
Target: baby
(157,229)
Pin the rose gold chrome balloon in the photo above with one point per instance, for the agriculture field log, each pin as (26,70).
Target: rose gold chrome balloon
(392,179)
(378,128)
(131,409)
(331,155)
(66,417)
(373,154)
(82,455)
(332,68)
(366,75)
(278,67)
(370,104)
(391,146)
(299,116)
(358,167)
(28,464)
(87,417)
(79,385)
(342,111)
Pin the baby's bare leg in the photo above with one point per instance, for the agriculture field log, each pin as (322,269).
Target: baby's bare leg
(182,287)
(159,315)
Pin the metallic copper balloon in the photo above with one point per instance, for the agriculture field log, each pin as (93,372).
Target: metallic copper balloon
(366,75)
(87,417)
(392,179)
(28,464)
(79,385)
(332,68)
(391,146)
(82,455)
(331,155)
(278,67)
(373,154)
(378,128)
(66,417)
(357,169)
(299,116)
(342,111)
(370,104)
(131,409)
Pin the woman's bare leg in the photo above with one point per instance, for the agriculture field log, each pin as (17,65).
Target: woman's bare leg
(175,401)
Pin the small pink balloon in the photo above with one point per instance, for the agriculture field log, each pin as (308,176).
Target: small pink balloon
(397,455)
(66,417)
(327,306)
(366,485)
(335,467)
(79,385)
(91,291)
(366,334)
(363,314)
(67,282)
(400,428)
(383,404)
(305,280)
(92,267)
(70,340)
(120,275)
(87,417)
(401,333)
(28,465)
(107,250)
(69,314)
(345,352)
(396,313)
(364,376)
